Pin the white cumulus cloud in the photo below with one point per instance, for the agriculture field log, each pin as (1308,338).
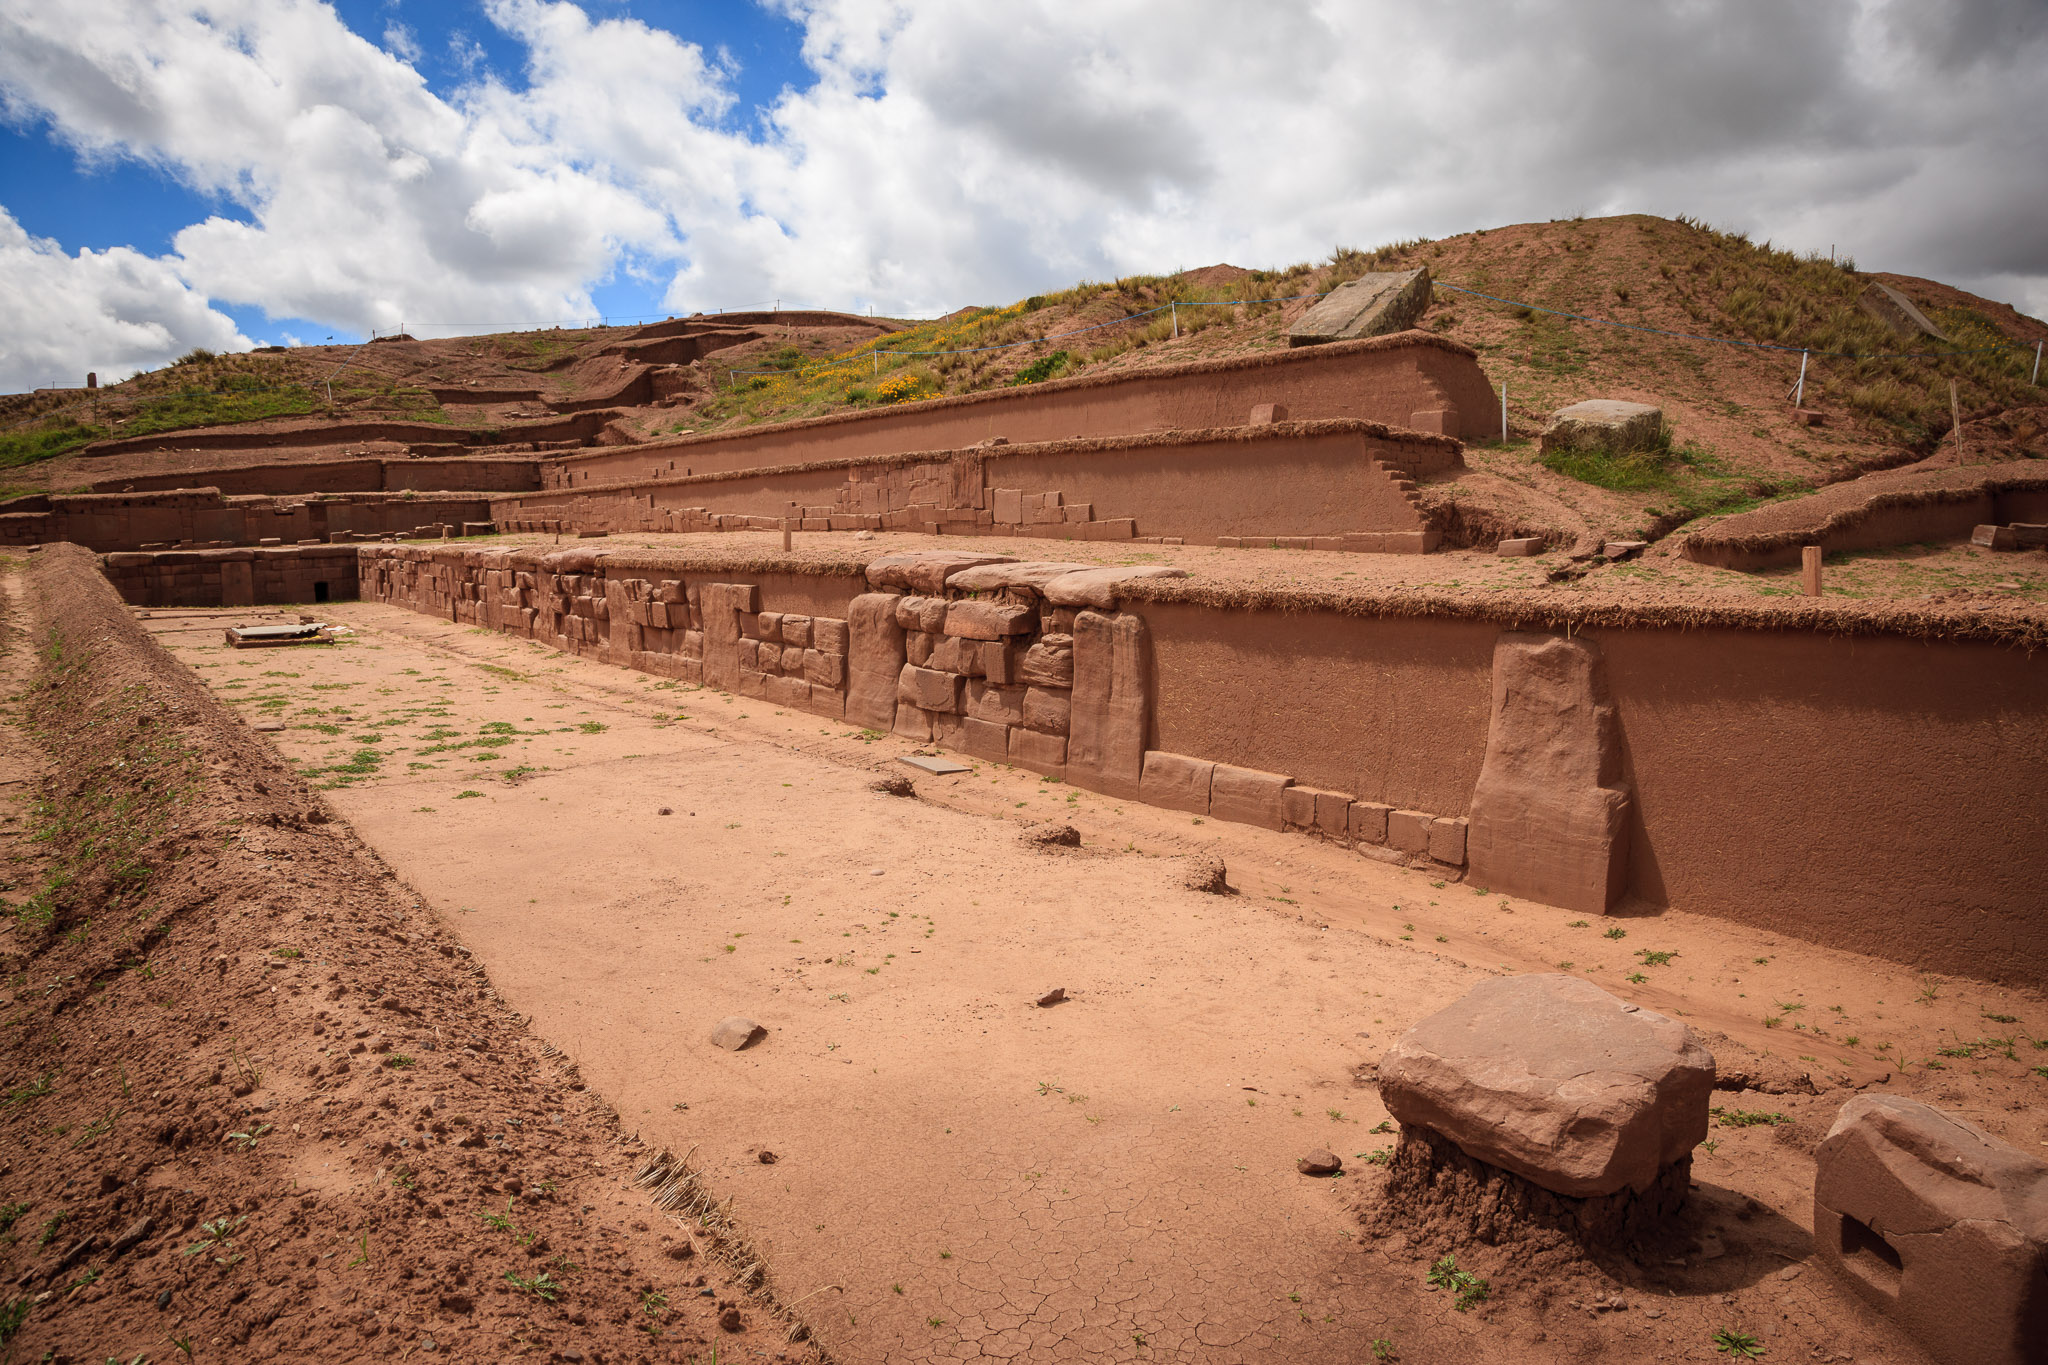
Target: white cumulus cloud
(947,153)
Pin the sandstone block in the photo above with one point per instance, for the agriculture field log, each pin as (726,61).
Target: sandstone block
(985,739)
(1049,662)
(1603,424)
(789,659)
(932,614)
(929,689)
(954,655)
(910,612)
(1040,753)
(1333,814)
(1247,796)
(1552,1078)
(1047,709)
(1176,782)
(1550,812)
(1000,661)
(1369,821)
(784,690)
(1112,703)
(1519,549)
(924,571)
(824,670)
(768,626)
(1030,575)
(874,660)
(827,700)
(1099,587)
(1266,414)
(912,724)
(1002,705)
(1447,840)
(1298,807)
(796,630)
(1995,538)
(828,635)
(917,647)
(1408,830)
(1369,306)
(980,619)
(1941,1226)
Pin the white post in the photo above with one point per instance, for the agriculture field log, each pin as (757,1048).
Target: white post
(1174,308)
(2037,363)
(1503,412)
(1799,390)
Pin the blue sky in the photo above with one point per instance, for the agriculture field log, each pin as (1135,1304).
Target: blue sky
(101,202)
(274,169)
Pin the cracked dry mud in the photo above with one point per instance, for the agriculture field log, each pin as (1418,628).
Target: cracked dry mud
(960,1174)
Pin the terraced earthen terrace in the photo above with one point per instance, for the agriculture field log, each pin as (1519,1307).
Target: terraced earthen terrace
(1246,740)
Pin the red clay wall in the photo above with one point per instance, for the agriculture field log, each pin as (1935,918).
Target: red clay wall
(129,521)
(1391,380)
(1869,792)
(1293,480)
(344,476)
(234,578)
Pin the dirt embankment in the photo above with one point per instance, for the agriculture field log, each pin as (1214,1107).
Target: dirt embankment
(258,1104)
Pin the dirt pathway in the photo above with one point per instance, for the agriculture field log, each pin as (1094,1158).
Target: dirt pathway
(957,1173)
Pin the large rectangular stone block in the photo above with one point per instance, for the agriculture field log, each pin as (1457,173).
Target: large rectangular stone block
(1333,814)
(1048,709)
(1248,796)
(1049,662)
(1550,812)
(1112,703)
(874,660)
(986,739)
(1176,782)
(1040,753)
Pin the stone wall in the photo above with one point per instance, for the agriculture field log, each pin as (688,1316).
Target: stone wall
(478,475)
(234,577)
(1325,485)
(1411,380)
(1836,781)
(203,516)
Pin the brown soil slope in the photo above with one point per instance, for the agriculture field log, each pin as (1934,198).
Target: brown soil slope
(258,1104)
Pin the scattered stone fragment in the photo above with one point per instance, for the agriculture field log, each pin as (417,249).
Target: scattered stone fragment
(893,786)
(1551,1078)
(1319,1162)
(132,1236)
(1052,997)
(767,1158)
(736,1032)
(1624,549)
(267,727)
(665,811)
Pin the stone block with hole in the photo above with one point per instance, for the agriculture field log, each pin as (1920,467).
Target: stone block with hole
(1940,1226)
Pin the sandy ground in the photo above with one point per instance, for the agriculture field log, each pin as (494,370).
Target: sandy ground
(960,1174)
